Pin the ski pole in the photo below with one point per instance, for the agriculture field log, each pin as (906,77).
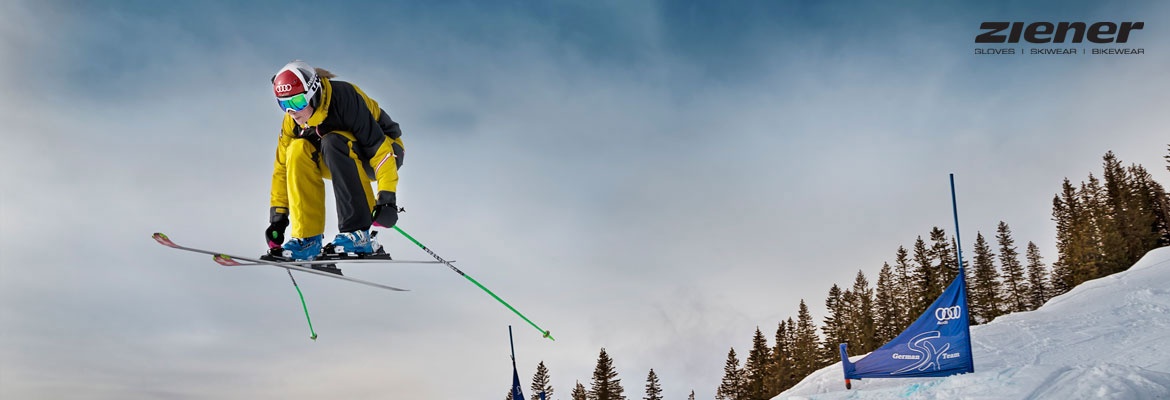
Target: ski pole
(306,307)
(543,332)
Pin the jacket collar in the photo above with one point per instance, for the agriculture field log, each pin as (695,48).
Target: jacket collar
(322,109)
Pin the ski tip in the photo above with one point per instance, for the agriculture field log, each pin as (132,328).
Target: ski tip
(225,260)
(163,239)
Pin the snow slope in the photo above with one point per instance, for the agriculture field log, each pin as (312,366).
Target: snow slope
(1106,339)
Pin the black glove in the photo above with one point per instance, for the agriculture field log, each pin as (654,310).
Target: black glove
(386,211)
(278,222)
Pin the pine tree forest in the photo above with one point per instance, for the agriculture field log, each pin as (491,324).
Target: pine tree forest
(1104,224)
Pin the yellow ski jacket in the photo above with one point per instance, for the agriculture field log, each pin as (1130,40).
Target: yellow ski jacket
(344,109)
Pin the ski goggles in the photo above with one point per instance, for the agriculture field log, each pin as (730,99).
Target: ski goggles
(294,103)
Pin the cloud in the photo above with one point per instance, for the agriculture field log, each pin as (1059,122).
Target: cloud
(655,186)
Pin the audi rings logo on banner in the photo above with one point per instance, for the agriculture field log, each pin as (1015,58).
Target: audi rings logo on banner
(945,314)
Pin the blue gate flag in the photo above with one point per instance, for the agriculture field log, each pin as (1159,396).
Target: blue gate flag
(937,344)
(516,393)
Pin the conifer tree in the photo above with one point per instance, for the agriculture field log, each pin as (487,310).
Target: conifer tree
(1038,284)
(578,392)
(833,326)
(1137,212)
(1065,208)
(1116,219)
(942,250)
(1015,284)
(926,277)
(541,382)
(692,396)
(1152,224)
(1168,158)
(1077,235)
(653,389)
(793,370)
(731,387)
(790,342)
(860,328)
(908,289)
(886,311)
(781,369)
(804,349)
(756,368)
(1092,197)
(983,296)
(606,384)
(844,332)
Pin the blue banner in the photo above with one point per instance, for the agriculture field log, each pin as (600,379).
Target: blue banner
(937,344)
(516,393)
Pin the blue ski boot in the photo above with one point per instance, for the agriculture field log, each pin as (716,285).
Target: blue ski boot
(357,242)
(306,249)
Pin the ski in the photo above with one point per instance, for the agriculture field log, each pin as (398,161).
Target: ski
(342,261)
(232,260)
(330,267)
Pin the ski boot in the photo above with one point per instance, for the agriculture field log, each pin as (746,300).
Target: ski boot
(298,249)
(355,245)
(301,250)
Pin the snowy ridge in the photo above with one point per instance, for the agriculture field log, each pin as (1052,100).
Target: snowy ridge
(1108,338)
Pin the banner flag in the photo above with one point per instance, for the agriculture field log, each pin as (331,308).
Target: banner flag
(517,394)
(937,344)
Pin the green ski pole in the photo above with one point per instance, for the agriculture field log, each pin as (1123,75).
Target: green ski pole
(543,332)
(306,307)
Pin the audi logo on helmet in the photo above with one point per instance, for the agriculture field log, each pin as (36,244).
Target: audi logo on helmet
(287,83)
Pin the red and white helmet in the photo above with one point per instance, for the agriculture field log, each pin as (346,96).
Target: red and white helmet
(295,78)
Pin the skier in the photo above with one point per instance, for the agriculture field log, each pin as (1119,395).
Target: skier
(331,130)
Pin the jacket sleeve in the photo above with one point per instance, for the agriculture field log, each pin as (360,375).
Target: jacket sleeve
(385,163)
(388,157)
(279,197)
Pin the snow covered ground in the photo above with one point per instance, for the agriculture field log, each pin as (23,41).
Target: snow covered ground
(1106,339)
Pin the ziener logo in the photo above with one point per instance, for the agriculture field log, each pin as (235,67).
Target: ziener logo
(944,314)
(1063,32)
(1057,38)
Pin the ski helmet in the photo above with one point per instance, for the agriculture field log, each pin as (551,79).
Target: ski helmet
(295,85)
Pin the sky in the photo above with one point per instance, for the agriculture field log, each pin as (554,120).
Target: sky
(658,179)
(1105,339)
